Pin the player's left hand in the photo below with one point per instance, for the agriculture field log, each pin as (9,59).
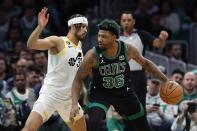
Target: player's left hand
(163,35)
(74,111)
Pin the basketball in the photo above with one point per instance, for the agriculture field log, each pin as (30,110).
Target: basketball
(171,92)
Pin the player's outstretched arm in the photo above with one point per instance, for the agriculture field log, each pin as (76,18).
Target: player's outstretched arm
(42,44)
(145,63)
(84,70)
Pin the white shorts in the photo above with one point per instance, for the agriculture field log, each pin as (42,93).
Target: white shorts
(46,106)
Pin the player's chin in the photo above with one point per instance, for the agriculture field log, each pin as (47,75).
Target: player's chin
(102,47)
(82,37)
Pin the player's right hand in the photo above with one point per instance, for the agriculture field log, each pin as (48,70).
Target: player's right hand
(74,111)
(43,17)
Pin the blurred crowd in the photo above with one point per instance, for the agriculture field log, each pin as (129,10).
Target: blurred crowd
(22,70)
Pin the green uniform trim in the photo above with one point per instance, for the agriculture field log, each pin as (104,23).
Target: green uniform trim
(95,104)
(136,115)
(16,101)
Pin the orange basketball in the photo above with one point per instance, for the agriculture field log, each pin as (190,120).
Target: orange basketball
(171,92)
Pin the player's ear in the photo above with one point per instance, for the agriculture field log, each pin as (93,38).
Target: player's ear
(115,37)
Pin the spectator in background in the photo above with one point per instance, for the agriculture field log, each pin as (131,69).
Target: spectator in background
(21,67)
(54,23)
(189,83)
(7,114)
(152,7)
(40,60)
(3,74)
(19,46)
(28,21)
(10,9)
(3,87)
(175,51)
(156,26)
(3,24)
(140,39)
(187,119)
(169,19)
(19,96)
(3,77)
(2,56)
(162,69)
(141,15)
(14,35)
(190,91)
(33,84)
(177,75)
(27,55)
(3,69)
(14,22)
(155,108)
(195,72)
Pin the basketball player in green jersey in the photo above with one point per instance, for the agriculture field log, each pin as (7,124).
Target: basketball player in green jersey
(109,65)
(64,58)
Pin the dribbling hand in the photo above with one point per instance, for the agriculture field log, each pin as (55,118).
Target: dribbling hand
(43,17)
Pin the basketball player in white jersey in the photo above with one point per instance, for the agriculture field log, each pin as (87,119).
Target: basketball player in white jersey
(64,57)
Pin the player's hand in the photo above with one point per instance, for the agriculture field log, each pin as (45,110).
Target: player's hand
(74,111)
(163,35)
(149,108)
(169,83)
(43,17)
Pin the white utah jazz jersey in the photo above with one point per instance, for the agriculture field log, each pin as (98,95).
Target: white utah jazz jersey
(62,68)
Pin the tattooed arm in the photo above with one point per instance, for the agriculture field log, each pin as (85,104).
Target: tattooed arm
(145,63)
(84,70)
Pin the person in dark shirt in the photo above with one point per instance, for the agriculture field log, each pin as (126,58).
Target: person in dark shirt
(140,39)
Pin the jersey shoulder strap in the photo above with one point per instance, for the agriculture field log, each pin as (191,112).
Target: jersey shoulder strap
(124,49)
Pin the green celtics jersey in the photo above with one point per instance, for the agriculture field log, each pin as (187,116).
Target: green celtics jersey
(112,73)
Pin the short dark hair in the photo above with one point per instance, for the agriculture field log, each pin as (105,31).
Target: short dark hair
(77,26)
(156,81)
(178,71)
(127,12)
(19,74)
(33,68)
(110,25)
(192,107)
